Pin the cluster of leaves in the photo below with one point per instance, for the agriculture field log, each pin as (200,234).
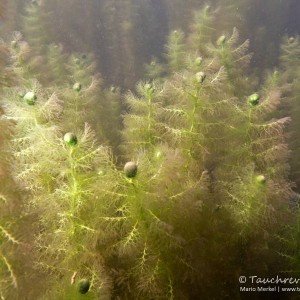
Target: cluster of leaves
(77,84)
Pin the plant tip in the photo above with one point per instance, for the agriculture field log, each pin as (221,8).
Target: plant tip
(221,40)
(291,40)
(84,286)
(77,87)
(14,44)
(70,139)
(113,89)
(130,169)
(253,100)
(199,61)
(200,77)
(261,179)
(30,98)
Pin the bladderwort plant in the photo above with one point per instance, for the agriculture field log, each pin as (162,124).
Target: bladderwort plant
(175,50)
(57,64)
(201,29)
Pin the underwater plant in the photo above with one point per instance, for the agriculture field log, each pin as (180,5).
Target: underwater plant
(88,101)
(56,64)
(77,83)
(15,255)
(288,77)
(202,127)
(190,195)
(290,65)
(154,70)
(7,238)
(34,114)
(35,22)
(175,50)
(57,195)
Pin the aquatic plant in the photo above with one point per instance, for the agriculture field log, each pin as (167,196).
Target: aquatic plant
(7,238)
(58,195)
(175,50)
(207,129)
(154,70)
(202,28)
(86,100)
(77,83)
(288,77)
(56,64)
(14,230)
(290,64)
(37,112)
(36,26)
(196,195)
(142,124)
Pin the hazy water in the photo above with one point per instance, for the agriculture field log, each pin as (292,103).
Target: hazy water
(196,206)
(126,34)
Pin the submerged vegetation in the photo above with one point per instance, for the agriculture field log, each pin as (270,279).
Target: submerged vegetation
(169,191)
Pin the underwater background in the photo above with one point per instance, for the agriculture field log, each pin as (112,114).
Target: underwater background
(149,149)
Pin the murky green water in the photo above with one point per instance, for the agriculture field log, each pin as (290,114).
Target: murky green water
(149,149)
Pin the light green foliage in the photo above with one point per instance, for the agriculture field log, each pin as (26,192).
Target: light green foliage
(59,179)
(35,25)
(13,227)
(289,75)
(154,70)
(175,50)
(42,118)
(8,241)
(290,63)
(88,103)
(212,173)
(91,102)
(226,51)
(56,63)
(202,28)
(142,124)
(205,193)
(235,59)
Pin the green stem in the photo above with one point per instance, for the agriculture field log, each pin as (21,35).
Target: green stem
(149,118)
(248,131)
(73,182)
(195,100)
